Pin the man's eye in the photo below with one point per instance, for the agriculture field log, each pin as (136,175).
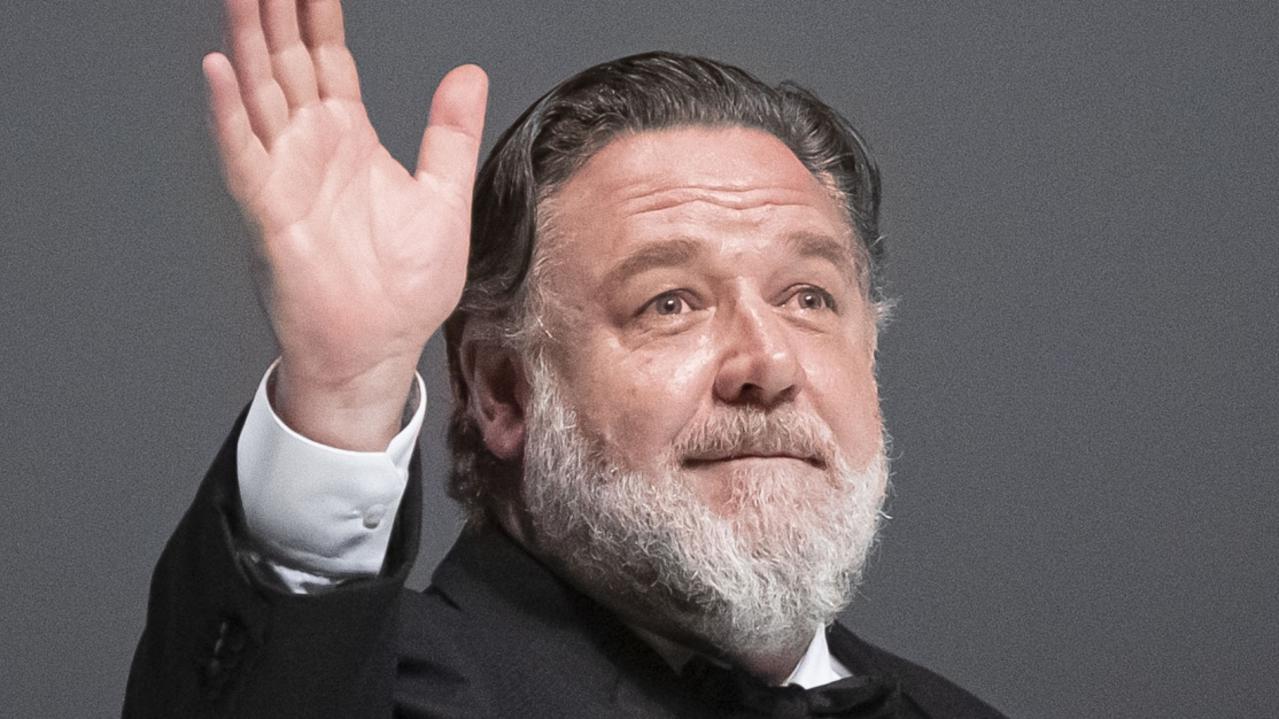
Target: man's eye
(813,298)
(668,303)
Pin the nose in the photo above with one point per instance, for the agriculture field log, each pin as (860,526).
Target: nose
(758,365)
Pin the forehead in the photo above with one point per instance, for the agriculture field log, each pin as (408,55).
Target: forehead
(691,176)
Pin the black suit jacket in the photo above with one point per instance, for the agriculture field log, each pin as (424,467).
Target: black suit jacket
(496,635)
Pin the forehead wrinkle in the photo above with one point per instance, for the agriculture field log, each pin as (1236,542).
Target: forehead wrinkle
(734,198)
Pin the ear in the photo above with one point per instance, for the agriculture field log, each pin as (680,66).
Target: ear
(498,393)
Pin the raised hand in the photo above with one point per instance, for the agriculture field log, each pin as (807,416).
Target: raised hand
(362,260)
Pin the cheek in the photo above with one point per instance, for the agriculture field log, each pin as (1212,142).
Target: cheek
(639,399)
(848,399)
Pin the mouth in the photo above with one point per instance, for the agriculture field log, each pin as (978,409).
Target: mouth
(751,457)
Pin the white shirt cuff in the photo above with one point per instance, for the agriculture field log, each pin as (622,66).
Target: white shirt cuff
(316,508)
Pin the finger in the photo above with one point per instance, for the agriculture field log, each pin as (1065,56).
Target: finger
(244,159)
(290,59)
(266,104)
(325,36)
(451,143)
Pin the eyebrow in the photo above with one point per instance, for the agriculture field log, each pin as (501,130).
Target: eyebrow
(681,250)
(835,251)
(666,253)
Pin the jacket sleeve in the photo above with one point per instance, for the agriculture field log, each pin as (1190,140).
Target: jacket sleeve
(220,643)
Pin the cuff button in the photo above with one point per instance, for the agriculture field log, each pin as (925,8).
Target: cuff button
(374,515)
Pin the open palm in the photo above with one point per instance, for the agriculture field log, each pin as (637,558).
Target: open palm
(362,260)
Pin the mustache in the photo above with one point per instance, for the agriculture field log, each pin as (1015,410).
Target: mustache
(751,431)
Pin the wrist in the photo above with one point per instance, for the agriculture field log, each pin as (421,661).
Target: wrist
(360,413)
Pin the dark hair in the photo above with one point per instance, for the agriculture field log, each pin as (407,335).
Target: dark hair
(563,129)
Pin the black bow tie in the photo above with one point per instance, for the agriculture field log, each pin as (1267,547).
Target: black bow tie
(734,693)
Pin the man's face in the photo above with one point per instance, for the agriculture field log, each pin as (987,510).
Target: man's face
(704,450)
(697,268)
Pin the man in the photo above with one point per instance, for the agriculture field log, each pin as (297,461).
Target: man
(666,429)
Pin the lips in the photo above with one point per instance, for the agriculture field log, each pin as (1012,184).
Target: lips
(706,460)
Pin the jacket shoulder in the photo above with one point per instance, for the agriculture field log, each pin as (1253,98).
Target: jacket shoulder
(935,694)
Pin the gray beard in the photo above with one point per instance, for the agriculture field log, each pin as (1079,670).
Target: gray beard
(780,559)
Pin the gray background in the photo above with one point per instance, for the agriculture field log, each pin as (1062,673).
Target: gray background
(1081,382)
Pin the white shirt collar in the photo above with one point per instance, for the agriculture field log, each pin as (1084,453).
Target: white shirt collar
(816,667)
